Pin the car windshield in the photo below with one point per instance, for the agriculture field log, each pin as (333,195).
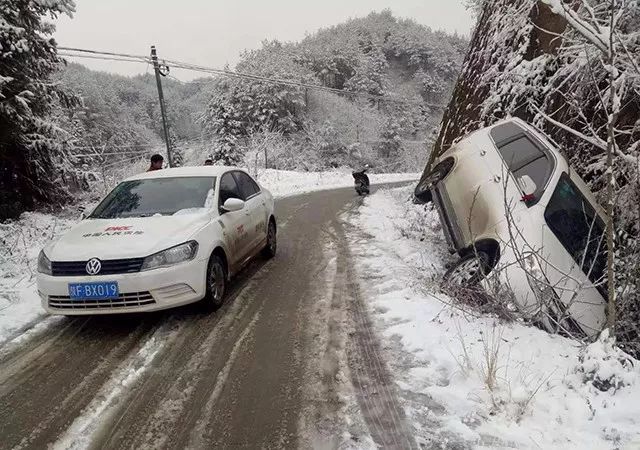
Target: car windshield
(157,196)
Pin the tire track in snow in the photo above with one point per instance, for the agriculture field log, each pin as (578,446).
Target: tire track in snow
(370,375)
(168,400)
(372,402)
(47,382)
(113,393)
(17,362)
(199,432)
(82,392)
(178,394)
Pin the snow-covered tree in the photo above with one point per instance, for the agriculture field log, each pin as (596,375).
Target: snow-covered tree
(390,140)
(177,154)
(31,145)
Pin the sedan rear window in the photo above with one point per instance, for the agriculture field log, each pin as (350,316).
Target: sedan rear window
(156,196)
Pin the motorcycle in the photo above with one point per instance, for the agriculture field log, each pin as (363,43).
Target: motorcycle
(361,181)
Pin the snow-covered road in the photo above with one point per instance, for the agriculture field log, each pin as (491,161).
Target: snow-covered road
(345,340)
(272,369)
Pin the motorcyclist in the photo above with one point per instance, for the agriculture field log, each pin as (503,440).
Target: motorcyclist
(361,180)
(361,176)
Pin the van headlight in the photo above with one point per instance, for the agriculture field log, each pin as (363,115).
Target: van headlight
(44,264)
(538,280)
(171,256)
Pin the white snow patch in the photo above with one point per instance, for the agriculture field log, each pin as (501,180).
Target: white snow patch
(285,183)
(543,395)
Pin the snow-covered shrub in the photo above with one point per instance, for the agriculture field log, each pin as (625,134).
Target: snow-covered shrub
(605,366)
(22,239)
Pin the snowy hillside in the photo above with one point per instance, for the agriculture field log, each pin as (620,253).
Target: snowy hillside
(468,378)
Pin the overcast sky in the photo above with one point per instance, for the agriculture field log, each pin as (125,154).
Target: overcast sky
(214,32)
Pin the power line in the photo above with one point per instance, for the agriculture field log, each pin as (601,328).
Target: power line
(228,73)
(103,58)
(99,52)
(84,155)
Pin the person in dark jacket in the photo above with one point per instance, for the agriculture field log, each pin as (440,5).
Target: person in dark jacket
(156,163)
(361,176)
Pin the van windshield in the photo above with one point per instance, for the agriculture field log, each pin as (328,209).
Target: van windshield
(157,196)
(579,229)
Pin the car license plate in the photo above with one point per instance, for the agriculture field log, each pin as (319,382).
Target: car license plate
(93,291)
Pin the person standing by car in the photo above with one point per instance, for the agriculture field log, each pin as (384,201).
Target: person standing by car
(156,163)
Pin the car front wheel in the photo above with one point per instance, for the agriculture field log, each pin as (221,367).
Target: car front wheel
(422,192)
(270,249)
(216,283)
(469,270)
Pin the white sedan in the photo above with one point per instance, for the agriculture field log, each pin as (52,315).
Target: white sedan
(159,240)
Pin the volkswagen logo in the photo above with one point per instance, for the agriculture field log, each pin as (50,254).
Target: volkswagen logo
(93,266)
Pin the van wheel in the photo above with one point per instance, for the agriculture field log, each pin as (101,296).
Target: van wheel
(437,174)
(216,283)
(269,250)
(469,270)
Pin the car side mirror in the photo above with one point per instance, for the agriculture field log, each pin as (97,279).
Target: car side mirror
(527,185)
(233,204)
(83,212)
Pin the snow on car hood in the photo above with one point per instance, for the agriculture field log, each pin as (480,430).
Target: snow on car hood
(124,238)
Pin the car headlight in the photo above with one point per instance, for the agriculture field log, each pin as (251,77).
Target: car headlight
(171,256)
(44,264)
(538,280)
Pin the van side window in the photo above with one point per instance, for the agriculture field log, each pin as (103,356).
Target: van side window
(523,157)
(539,171)
(578,228)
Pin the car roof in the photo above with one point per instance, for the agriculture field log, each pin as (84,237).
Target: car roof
(187,171)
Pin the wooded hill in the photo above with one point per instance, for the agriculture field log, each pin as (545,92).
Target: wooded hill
(303,128)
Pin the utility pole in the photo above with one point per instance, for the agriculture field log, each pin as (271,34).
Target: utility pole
(165,126)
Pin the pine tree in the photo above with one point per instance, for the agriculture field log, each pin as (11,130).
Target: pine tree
(177,155)
(227,151)
(30,143)
(390,139)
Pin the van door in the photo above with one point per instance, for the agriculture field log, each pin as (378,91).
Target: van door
(574,250)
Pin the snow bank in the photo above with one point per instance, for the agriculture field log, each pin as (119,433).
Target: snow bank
(20,244)
(283,183)
(471,380)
